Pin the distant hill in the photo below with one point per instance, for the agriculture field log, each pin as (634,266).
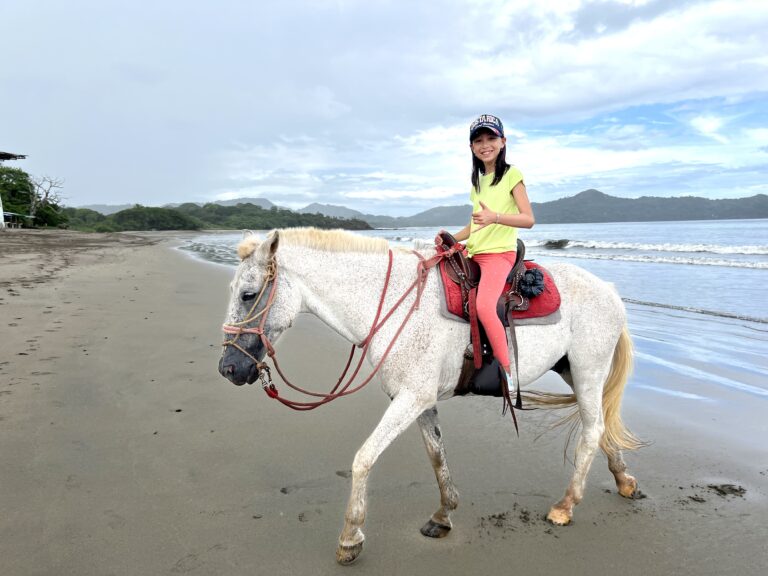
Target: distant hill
(594,206)
(442,215)
(587,206)
(107,209)
(260,202)
(330,210)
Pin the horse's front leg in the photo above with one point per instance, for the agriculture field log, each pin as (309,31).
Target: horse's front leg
(439,524)
(400,414)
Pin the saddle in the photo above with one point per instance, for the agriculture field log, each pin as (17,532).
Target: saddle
(481,372)
(466,273)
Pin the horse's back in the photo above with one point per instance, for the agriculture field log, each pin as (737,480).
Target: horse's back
(582,288)
(592,310)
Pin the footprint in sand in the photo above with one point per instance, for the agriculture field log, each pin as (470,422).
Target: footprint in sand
(308,515)
(115,520)
(726,490)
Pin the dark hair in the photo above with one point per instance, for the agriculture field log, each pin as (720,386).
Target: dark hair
(500,169)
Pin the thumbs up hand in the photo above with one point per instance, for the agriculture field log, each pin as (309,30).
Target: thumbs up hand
(484,217)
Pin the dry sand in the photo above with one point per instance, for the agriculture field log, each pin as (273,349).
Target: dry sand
(125,453)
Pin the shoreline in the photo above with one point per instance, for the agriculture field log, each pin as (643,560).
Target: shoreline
(126,453)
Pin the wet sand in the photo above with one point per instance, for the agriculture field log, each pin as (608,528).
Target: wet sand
(124,452)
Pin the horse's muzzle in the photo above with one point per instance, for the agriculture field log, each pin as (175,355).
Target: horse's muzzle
(237,367)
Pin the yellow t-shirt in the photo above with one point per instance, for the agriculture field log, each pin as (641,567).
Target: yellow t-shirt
(494,238)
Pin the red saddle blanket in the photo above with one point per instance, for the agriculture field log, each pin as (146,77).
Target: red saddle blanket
(542,305)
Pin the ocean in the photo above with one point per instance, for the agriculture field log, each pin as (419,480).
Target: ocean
(695,294)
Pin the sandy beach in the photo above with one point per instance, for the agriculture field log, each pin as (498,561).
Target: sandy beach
(125,453)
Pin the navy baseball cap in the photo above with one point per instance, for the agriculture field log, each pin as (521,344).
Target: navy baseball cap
(489,122)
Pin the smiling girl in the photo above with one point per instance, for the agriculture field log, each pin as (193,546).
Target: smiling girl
(500,206)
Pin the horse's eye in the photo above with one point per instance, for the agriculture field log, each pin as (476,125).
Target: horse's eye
(248,296)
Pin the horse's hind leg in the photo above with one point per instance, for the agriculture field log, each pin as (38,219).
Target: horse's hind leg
(626,484)
(440,523)
(400,414)
(588,388)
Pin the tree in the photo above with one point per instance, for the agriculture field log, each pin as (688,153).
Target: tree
(16,189)
(38,198)
(44,202)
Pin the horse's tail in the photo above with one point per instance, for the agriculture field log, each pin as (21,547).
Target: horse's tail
(616,436)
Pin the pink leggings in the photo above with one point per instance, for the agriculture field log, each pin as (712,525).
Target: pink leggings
(494,269)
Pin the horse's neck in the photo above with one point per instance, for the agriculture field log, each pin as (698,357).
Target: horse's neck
(343,289)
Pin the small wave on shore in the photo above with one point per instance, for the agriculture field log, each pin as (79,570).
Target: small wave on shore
(220,251)
(656,259)
(565,243)
(719,314)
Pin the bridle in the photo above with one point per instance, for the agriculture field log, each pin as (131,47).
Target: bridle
(339,390)
(238,328)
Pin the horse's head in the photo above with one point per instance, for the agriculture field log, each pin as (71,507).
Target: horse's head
(263,300)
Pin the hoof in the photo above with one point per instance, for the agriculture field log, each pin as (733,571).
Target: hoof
(559,517)
(346,555)
(434,530)
(629,489)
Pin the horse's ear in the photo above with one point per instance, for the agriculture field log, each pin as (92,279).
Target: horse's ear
(273,241)
(247,233)
(268,247)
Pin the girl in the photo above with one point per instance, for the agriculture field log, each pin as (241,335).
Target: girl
(500,206)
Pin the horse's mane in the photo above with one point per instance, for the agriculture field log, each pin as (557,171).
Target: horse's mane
(325,240)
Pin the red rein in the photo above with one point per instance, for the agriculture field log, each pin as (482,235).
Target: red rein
(338,390)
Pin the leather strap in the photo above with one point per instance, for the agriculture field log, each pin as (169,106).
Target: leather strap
(513,340)
(474,328)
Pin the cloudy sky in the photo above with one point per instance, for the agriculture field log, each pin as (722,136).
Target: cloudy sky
(367,103)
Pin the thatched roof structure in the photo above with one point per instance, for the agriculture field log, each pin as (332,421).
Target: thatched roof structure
(9,156)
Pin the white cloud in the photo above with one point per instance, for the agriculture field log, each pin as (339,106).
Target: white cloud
(701,50)
(710,126)
(756,136)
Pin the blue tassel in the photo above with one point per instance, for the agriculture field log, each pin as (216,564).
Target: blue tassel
(532,283)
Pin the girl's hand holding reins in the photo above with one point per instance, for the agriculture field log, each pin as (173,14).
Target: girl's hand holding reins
(485,216)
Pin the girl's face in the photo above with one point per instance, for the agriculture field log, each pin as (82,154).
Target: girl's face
(487,146)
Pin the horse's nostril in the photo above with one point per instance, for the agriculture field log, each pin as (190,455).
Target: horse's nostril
(229,369)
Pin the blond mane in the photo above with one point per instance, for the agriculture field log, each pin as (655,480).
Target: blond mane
(325,240)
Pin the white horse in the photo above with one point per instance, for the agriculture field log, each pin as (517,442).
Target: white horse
(339,277)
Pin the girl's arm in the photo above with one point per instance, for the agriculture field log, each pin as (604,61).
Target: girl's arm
(462,234)
(524,219)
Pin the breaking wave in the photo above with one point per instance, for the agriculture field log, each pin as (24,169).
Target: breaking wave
(565,243)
